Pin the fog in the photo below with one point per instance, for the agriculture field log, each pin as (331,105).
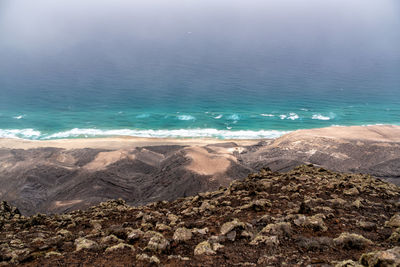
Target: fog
(124,35)
(45,26)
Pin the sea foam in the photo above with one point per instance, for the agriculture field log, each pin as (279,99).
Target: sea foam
(19,117)
(179,133)
(186,118)
(20,133)
(292,116)
(320,117)
(234,117)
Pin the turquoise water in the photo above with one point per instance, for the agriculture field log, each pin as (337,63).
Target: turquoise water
(224,69)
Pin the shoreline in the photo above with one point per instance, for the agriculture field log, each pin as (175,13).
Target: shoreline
(379,133)
(76,133)
(76,173)
(117,142)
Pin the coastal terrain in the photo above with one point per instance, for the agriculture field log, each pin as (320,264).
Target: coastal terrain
(200,133)
(203,202)
(63,175)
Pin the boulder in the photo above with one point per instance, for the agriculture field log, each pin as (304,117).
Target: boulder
(110,239)
(390,257)
(395,236)
(279,229)
(182,234)
(120,246)
(269,241)
(144,257)
(315,222)
(158,243)
(85,244)
(368,226)
(348,263)
(394,221)
(67,235)
(352,241)
(230,226)
(204,248)
(162,227)
(351,192)
(134,235)
(52,254)
(257,205)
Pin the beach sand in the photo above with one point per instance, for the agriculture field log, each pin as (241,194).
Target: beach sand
(113,143)
(379,133)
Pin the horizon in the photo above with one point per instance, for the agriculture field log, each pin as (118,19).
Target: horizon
(228,66)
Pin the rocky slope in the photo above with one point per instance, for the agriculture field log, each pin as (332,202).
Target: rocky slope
(306,217)
(60,176)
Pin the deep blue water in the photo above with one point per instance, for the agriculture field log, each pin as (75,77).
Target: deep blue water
(226,69)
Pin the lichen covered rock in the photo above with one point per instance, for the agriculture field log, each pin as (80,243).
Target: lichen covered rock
(158,243)
(85,244)
(204,248)
(230,226)
(390,257)
(120,246)
(352,241)
(182,234)
(394,221)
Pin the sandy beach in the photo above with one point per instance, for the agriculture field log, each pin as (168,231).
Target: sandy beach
(379,133)
(119,142)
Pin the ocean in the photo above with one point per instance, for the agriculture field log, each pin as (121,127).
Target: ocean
(220,69)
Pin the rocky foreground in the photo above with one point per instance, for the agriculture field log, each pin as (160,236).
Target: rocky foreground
(308,216)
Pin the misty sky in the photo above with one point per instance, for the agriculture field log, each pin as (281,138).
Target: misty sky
(49,27)
(82,41)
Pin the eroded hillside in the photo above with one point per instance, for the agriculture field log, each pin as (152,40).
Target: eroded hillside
(63,175)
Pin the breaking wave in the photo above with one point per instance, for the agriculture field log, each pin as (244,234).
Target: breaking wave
(186,118)
(23,133)
(292,116)
(320,117)
(19,117)
(180,133)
